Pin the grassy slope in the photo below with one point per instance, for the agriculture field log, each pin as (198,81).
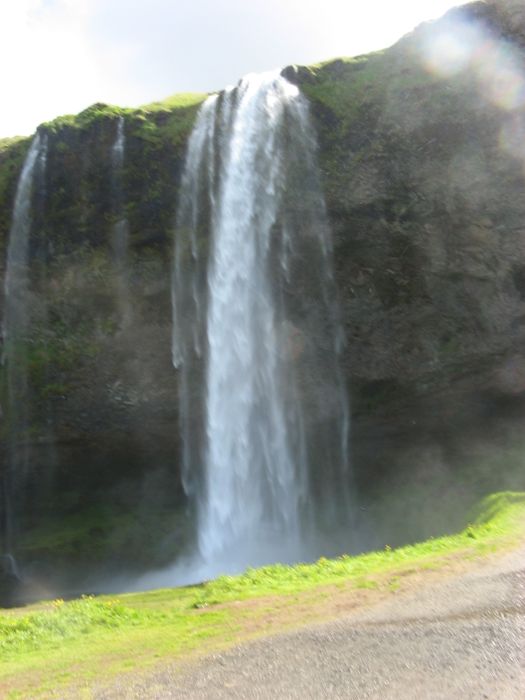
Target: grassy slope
(52,645)
(179,101)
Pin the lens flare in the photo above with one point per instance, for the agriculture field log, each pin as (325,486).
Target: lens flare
(450,50)
(460,45)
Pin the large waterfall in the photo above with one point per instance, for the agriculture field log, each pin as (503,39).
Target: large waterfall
(257,336)
(16,324)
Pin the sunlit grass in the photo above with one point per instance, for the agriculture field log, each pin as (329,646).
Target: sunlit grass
(496,522)
(179,100)
(48,645)
(6,143)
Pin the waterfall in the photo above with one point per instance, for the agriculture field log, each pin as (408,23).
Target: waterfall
(256,334)
(119,146)
(120,233)
(16,327)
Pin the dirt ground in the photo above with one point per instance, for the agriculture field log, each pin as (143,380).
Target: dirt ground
(454,633)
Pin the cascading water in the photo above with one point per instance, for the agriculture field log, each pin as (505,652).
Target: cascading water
(257,336)
(16,326)
(120,234)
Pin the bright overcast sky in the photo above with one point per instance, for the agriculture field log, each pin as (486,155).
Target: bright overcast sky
(60,56)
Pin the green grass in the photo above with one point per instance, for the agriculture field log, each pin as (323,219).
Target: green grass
(344,85)
(498,521)
(9,141)
(179,111)
(177,101)
(50,645)
(85,118)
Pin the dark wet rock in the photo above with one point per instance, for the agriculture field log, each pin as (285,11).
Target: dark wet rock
(10,583)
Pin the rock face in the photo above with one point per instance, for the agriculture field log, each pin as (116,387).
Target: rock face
(422,151)
(103,440)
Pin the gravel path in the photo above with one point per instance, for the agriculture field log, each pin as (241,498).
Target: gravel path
(463,638)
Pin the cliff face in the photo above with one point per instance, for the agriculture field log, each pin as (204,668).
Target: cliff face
(422,155)
(103,482)
(422,151)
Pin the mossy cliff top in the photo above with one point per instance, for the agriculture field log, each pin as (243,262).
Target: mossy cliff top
(155,134)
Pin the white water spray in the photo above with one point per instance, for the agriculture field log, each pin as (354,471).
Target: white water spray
(256,334)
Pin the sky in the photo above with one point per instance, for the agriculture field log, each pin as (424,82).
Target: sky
(60,56)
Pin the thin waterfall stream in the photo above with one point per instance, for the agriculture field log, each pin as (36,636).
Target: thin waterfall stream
(16,326)
(120,232)
(257,337)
